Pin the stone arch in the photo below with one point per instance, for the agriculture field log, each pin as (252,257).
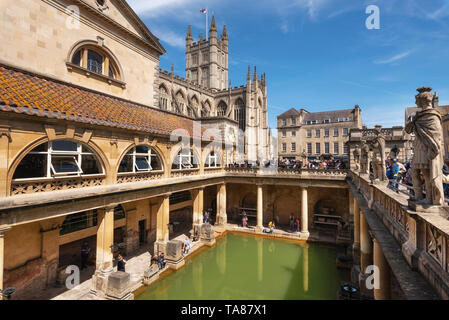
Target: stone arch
(156,148)
(103,159)
(222,108)
(240,113)
(206,108)
(285,205)
(196,155)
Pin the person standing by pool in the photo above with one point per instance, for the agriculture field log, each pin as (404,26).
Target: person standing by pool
(297,224)
(121,263)
(161,261)
(292,222)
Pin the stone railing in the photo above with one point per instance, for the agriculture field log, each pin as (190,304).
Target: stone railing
(55,184)
(184,173)
(297,173)
(424,237)
(139,176)
(213,170)
(373,132)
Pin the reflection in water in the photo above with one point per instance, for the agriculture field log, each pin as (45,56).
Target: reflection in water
(260,259)
(248,267)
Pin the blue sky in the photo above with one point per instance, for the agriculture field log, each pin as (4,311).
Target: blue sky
(318,54)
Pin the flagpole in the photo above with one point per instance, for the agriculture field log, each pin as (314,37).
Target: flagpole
(207,14)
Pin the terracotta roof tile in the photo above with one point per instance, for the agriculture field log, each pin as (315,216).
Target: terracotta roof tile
(30,94)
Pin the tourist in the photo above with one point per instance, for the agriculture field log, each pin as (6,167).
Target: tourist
(187,245)
(297,224)
(244,220)
(204,216)
(85,250)
(154,260)
(392,174)
(196,236)
(292,222)
(270,227)
(161,261)
(121,263)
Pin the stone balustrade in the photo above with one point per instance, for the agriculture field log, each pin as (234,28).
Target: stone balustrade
(424,237)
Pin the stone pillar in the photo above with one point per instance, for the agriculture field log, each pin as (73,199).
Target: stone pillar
(383,293)
(222,218)
(162,221)
(105,241)
(304,212)
(2,255)
(259,226)
(5,139)
(50,253)
(366,245)
(198,203)
(356,245)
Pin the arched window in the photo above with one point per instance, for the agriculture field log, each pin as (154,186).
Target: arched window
(163,98)
(222,107)
(58,158)
(184,160)
(140,159)
(96,60)
(213,160)
(240,114)
(205,110)
(181,102)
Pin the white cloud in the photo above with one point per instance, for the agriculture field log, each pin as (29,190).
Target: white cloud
(171,38)
(394,58)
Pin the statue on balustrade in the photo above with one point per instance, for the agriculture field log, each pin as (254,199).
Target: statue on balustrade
(378,159)
(427,150)
(364,163)
(356,154)
(304,158)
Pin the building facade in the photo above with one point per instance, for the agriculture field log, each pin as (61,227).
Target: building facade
(204,95)
(316,133)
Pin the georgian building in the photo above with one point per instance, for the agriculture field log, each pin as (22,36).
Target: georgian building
(316,133)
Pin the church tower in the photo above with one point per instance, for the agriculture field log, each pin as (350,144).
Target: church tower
(207,59)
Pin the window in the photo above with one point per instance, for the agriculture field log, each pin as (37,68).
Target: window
(284,147)
(345,148)
(140,159)
(326,133)
(185,160)
(163,98)
(317,133)
(194,59)
(326,147)
(345,132)
(293,147)
(213,160)
(318,148)
(284,122)
(309,133)
(336,132)
(309,148)
(284,133)
(308,122)
(240,114)
(293,121)
(327,121)
(336,151)
(97,61)
(58,158)
(79,221)
(293,133)
(222,107)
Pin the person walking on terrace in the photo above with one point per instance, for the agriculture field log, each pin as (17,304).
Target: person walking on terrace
(121,263)
(85,250)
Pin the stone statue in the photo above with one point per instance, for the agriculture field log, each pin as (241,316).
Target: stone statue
(378,160)
(304,159)
(364,162)
(356,154)
(427,149)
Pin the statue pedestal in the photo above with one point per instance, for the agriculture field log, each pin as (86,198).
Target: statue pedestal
(429,208)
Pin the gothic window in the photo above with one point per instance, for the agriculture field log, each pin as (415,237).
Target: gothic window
(96,60)
(195,59)
(240,114)
(184,160)
(140,159)
(222,107)
(205,77)
(205,109)
(213,160)
(163,98)
(181,102)
(57,159)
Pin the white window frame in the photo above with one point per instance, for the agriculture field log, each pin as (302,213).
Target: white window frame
(216,159)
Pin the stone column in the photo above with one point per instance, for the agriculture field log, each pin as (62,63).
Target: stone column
(259,226)
(366,245)
(198,203)
(356,245)
(304,212)
(105,241)
(2,254)
(383,293)
(222,218)
(163,219)
(50,253)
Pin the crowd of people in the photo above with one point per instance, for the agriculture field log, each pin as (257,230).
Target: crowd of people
(158,260)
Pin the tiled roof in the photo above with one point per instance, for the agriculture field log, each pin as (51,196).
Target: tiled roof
(332,115)
(290,113)
(25,93)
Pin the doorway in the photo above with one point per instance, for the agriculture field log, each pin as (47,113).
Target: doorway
(142,232)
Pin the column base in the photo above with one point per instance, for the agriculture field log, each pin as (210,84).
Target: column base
(175,265)
(100,282)
(159,246)
(304,235)
(259,229)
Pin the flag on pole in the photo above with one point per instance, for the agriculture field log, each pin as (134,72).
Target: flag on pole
(203,10)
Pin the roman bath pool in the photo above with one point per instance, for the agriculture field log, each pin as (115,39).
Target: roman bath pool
(242,266)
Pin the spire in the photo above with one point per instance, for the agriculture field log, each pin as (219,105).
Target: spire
(224,35)
(248,76)
(255,75)
(213,26)
(200,38)
(172,69)
(189,34)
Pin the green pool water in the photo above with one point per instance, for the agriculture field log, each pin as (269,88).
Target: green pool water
(250,267)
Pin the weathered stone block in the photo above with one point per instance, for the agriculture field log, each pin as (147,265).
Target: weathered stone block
(173,250)
(151,274)
(207,233)
(118,286)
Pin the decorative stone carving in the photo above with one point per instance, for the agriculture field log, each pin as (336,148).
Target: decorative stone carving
(364,161)
(378,156)
(207,233)
(173,254)
(356,155)
(25,187)
(434,244)
(428,150)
